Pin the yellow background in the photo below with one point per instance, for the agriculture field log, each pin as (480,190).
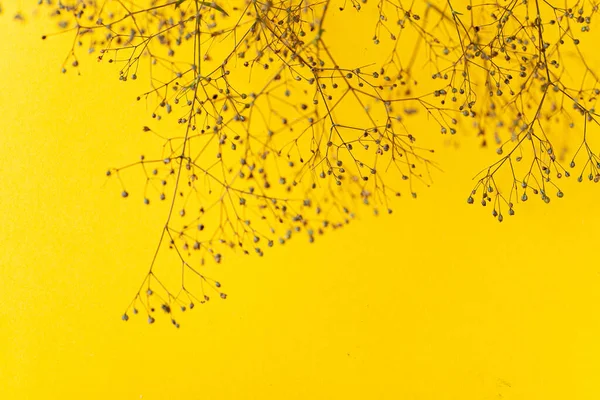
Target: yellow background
(437,301)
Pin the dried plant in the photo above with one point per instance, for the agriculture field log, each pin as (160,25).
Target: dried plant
(267,130)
